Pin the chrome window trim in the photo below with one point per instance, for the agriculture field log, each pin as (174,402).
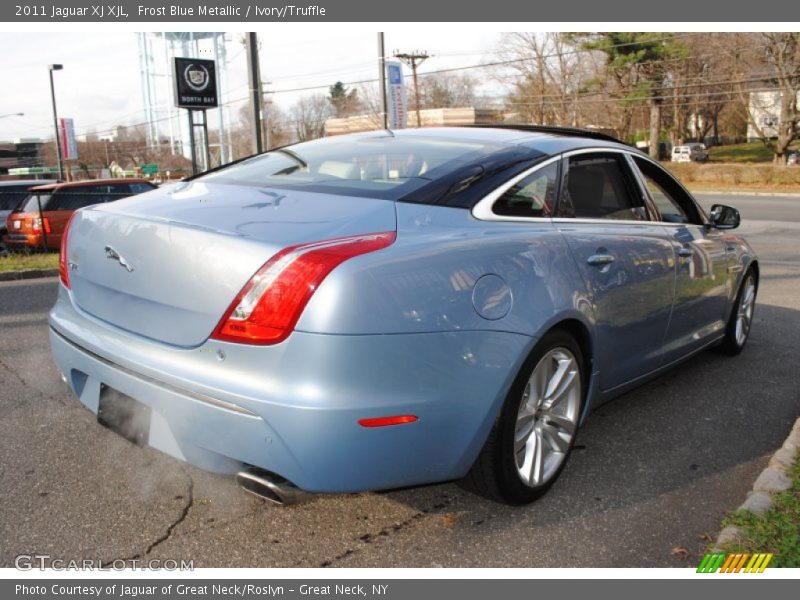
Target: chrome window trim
(567,220)
(483,209)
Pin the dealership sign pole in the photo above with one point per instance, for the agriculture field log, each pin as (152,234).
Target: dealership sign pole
(196,90)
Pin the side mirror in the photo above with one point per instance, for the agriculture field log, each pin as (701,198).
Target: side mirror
(724,217)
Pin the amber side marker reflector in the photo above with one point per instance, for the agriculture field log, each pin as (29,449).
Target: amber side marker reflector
(386,421)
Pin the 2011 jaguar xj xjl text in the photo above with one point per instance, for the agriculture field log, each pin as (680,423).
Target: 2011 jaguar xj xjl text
(394,308)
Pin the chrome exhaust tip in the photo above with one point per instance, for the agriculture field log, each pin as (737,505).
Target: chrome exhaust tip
(270,487)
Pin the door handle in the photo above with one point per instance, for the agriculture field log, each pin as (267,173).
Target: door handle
(598,260)
(685,252)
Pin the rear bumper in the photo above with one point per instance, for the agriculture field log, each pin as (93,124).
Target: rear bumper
(293,408)
(22,240)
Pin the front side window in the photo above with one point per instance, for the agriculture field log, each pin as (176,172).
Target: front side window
(672,201)
(599,186)
(533,196)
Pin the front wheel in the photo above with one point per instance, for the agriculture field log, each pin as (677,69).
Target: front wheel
(741,319)
(533,436)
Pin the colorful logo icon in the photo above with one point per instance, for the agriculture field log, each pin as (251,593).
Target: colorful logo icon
(720,562)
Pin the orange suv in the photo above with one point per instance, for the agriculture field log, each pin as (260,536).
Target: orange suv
(39,221)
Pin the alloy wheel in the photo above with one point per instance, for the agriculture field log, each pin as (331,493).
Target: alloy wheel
(744,314)
(548,417)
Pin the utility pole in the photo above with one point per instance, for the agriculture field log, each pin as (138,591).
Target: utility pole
(382,69)
(414,60)
(254,79)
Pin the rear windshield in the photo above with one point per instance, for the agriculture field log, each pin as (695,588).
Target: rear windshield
(377,166)
(31,203)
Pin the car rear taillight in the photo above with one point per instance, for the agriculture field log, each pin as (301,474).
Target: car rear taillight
(36,225)
(268,307)
(63,263)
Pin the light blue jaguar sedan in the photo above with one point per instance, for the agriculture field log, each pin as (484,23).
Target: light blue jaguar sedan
(394,308)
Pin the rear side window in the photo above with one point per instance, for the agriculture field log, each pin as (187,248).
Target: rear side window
(74,198)
(600,186)
(140,188)
(533,196)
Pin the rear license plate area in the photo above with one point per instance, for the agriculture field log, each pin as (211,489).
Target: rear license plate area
(124,415)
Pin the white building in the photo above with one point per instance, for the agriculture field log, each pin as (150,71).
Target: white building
(765,110)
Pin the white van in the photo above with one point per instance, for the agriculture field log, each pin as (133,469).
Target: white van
(690,152)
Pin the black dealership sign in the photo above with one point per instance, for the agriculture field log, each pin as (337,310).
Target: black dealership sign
(195,83)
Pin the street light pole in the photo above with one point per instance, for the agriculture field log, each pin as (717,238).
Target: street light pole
(12,115)
(52,68)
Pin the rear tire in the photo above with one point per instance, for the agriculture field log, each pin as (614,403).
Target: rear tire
(741,320)
(535,431)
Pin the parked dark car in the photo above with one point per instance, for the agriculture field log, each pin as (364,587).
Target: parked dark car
(39,221)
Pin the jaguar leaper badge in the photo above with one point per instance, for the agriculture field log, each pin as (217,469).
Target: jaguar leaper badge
(114,255)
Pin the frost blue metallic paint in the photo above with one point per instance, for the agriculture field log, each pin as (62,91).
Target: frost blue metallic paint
(436,325)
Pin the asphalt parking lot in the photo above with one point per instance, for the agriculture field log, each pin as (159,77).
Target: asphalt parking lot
(653,471)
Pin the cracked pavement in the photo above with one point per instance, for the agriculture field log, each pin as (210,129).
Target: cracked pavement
(653,471)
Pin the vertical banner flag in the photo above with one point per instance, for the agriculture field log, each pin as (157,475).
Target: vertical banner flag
(396,95)
(66,131)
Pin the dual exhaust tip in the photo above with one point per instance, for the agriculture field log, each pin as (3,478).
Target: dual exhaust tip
(270,487)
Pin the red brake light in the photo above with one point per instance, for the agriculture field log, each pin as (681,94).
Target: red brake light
(63,266)
(268,307)
(46,225)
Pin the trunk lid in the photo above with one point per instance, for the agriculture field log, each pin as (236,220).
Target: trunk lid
(167,264)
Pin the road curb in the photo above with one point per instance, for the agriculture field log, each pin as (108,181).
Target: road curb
(772,480)
(28,274)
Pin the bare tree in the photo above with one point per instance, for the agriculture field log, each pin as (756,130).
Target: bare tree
(308,117)
(547,74)
(446,90)
(372,103)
